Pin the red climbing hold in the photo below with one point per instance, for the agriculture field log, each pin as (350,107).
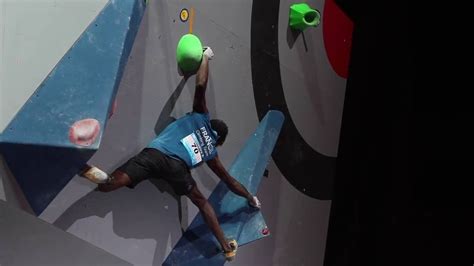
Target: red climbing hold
(84,132)
(337,32)
(265,231)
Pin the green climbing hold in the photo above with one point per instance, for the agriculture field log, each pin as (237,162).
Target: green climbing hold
(303,16)
(189,53)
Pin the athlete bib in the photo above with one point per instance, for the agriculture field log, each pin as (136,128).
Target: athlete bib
(193,148)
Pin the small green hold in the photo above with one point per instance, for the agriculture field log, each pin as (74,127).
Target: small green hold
(303,16)
(189,53)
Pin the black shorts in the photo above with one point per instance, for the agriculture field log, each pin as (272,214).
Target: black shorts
(152,163)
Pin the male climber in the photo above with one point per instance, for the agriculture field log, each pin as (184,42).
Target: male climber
(184,144)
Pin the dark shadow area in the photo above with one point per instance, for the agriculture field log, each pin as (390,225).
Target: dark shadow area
(180,72)
(164,187)
(45,173)
(292,35)
(304,41)
(211,97)
(13,193)
(165,117)
(139,213)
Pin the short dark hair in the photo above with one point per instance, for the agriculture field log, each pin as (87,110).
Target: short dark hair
(221,128)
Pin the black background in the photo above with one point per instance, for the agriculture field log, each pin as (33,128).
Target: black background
(402,193)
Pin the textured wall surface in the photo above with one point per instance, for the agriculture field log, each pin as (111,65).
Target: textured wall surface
(142,225)
(31,241)
(35,35)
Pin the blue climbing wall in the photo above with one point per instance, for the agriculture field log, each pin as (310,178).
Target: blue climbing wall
(83,85)
(238,220)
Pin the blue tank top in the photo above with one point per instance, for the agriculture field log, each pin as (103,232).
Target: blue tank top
(189,138)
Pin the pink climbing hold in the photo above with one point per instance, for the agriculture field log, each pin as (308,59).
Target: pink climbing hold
(84,132)
(265,231)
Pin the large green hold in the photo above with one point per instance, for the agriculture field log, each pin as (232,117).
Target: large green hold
(189,53)
(302,16)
